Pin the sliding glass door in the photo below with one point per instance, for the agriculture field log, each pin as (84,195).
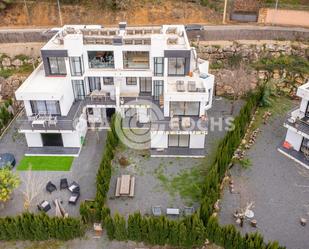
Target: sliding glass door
(185,108)
(178,141)
(45,107)
(145,85)
(78,89)
(158,89)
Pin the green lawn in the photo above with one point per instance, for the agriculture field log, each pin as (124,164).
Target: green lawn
(51,163)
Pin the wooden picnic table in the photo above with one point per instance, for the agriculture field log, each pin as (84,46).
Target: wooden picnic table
(125,185)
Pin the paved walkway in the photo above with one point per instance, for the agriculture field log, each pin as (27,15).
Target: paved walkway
(277,186)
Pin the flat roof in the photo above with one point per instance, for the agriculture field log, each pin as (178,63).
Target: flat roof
(39,87)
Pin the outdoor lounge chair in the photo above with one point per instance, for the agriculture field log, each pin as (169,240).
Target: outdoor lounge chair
(74,198)
(50,187)
(63,183)
(44,206)
(74,187)
(156,211)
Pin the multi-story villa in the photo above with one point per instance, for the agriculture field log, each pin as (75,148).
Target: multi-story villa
(89,72)
(296,144)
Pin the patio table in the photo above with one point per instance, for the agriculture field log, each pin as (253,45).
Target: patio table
(125,185)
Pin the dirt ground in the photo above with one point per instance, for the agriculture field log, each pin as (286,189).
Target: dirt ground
(43,13)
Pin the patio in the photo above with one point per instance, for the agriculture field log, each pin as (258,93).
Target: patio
(83,171)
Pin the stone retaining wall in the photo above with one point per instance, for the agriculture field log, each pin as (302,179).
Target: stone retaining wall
(220,54)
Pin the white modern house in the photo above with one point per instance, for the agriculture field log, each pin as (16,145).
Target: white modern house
(89,72)
(296,144)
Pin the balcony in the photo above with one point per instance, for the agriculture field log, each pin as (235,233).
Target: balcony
(44,122)
(298,121)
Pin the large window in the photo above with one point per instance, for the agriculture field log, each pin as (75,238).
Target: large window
(145,84)
(101,59)
(77,66)
(158,63)
(176,66)
(45,107)
(78,89)
(108,80)
(135,60)
(94,83)
(185,108)
(178,140)
(131,80)
(57,66)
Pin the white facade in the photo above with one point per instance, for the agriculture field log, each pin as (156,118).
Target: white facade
(90,72)
(297,136)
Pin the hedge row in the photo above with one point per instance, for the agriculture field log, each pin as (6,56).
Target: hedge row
(224,154)
(5,115)
(94,211)
(40,227)
(187,232)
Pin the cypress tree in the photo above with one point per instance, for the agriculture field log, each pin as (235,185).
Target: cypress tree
(134,227)
(120,227)
(173,232)
(109,226)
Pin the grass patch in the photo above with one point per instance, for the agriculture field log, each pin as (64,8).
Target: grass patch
(49,163)
(187,183)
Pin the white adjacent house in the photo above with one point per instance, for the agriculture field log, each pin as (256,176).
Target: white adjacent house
(296,143)
(89,72)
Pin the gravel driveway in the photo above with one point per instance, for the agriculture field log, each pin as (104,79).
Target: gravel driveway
(278,187)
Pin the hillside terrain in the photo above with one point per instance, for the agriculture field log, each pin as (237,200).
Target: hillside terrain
(45,13)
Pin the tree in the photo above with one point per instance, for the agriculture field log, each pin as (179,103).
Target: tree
(239,80)
(8,182)
(120,227)
(33,187)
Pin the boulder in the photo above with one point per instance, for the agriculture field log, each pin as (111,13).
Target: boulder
(17,63)
(6,62)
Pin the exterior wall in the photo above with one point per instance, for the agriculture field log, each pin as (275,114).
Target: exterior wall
(34,139)
(197,141)
(71,139)
(27,107)
(303,105)
(67,100)
(159,141)
(294,139)
(284,17)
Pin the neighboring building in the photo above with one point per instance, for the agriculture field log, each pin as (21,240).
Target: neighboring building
(296,144)
(89,72)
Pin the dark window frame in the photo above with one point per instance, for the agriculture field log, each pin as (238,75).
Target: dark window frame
(178,138)
(129,81)
(78,96)
(33,104)
(108,81)
(94,81)
(143,80)
(184,68)
(58,67)
(157,65)
(185,108)
(81,65)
